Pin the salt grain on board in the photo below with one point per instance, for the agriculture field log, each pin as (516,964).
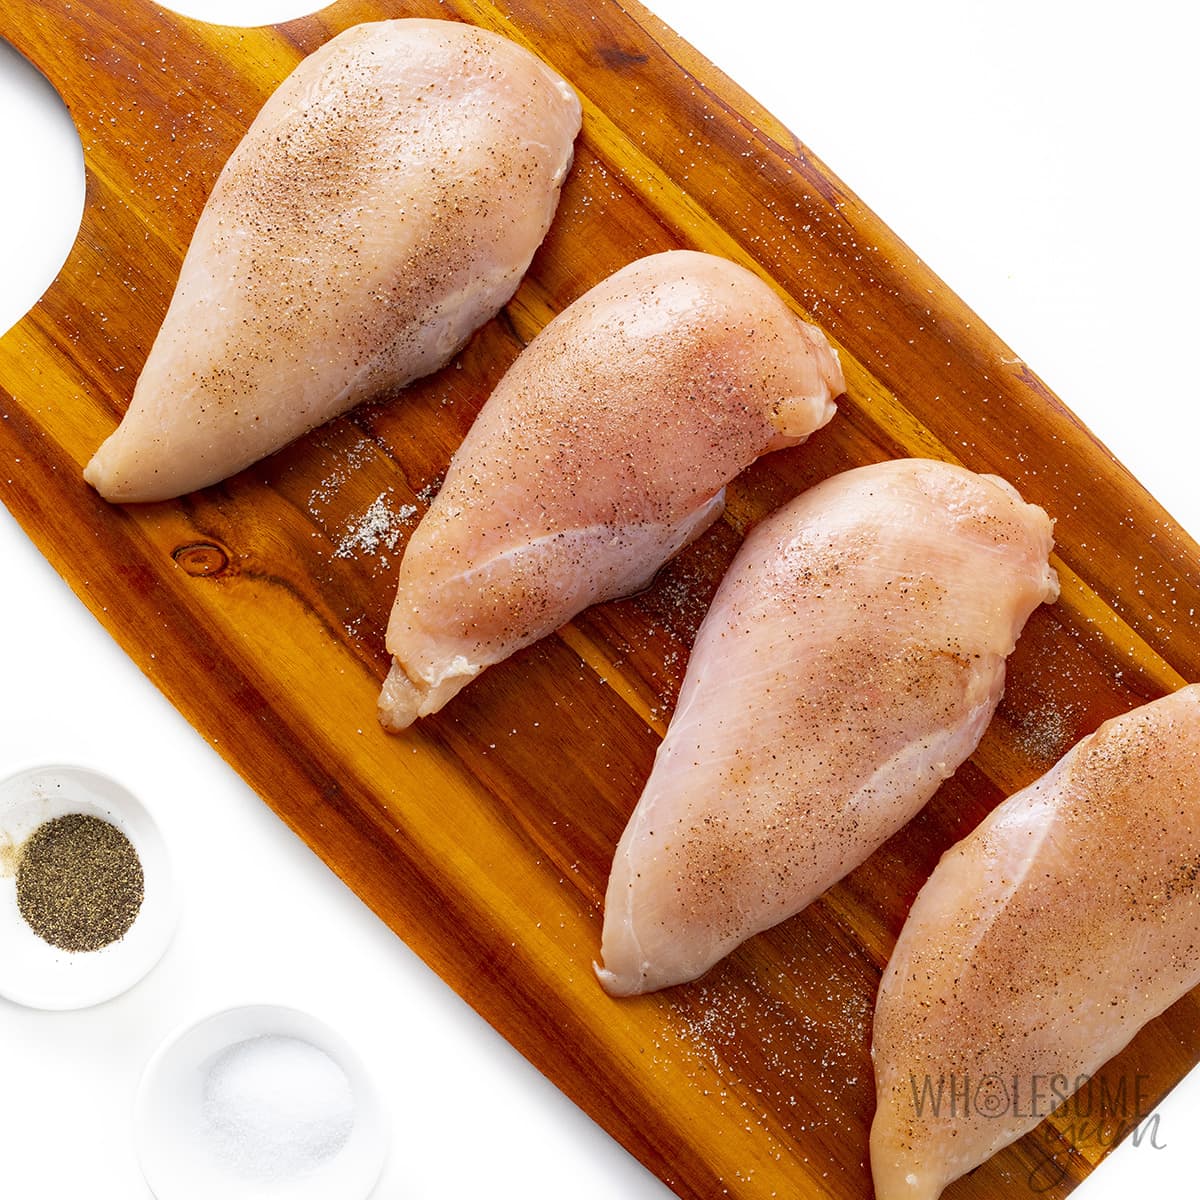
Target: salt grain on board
(379,526)
(353,458)
(1046,733)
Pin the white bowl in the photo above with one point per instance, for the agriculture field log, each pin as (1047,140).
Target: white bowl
(37,974)
(171,1128)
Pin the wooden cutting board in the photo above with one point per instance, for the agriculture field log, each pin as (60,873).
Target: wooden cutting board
(484,836)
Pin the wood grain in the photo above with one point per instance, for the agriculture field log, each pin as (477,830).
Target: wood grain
(484,836)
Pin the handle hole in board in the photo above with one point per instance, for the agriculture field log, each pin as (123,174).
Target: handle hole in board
(245,14)
(41,200)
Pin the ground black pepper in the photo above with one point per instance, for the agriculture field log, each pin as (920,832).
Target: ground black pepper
(79,882)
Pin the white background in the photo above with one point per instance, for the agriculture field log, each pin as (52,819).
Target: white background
(1038,154)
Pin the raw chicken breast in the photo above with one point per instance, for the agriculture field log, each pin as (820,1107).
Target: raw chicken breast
(1039,946)
(851,659)
(383,205)
(602,452)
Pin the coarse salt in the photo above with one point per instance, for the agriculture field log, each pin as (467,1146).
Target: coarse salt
(275,1108)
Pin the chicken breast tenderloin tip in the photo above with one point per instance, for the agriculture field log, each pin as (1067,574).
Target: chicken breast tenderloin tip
(384,203)
(602,452)
(1039,946)
(851,659)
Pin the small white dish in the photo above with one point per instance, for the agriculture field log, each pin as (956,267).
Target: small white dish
(32,971)
(173,1128)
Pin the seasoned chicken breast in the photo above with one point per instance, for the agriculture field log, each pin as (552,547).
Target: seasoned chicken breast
(602,452)
(1039,946)
(851,659)
(384,204)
